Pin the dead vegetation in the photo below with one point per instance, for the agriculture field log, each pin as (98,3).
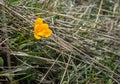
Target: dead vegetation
(84,48)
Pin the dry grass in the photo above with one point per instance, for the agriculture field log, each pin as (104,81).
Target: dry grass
(84,48)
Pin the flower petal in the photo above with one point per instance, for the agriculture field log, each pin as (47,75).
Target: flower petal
(37,28)
(39,21)
(37,36)
(44,26)
(45,33)
(48,33)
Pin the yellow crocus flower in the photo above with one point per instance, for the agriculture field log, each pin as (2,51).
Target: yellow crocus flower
(41,29)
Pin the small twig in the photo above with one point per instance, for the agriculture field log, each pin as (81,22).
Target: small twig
(49,69)
(61,82)
(4,41)
(98,12)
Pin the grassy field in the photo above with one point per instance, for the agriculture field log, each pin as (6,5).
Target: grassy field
(83,49)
